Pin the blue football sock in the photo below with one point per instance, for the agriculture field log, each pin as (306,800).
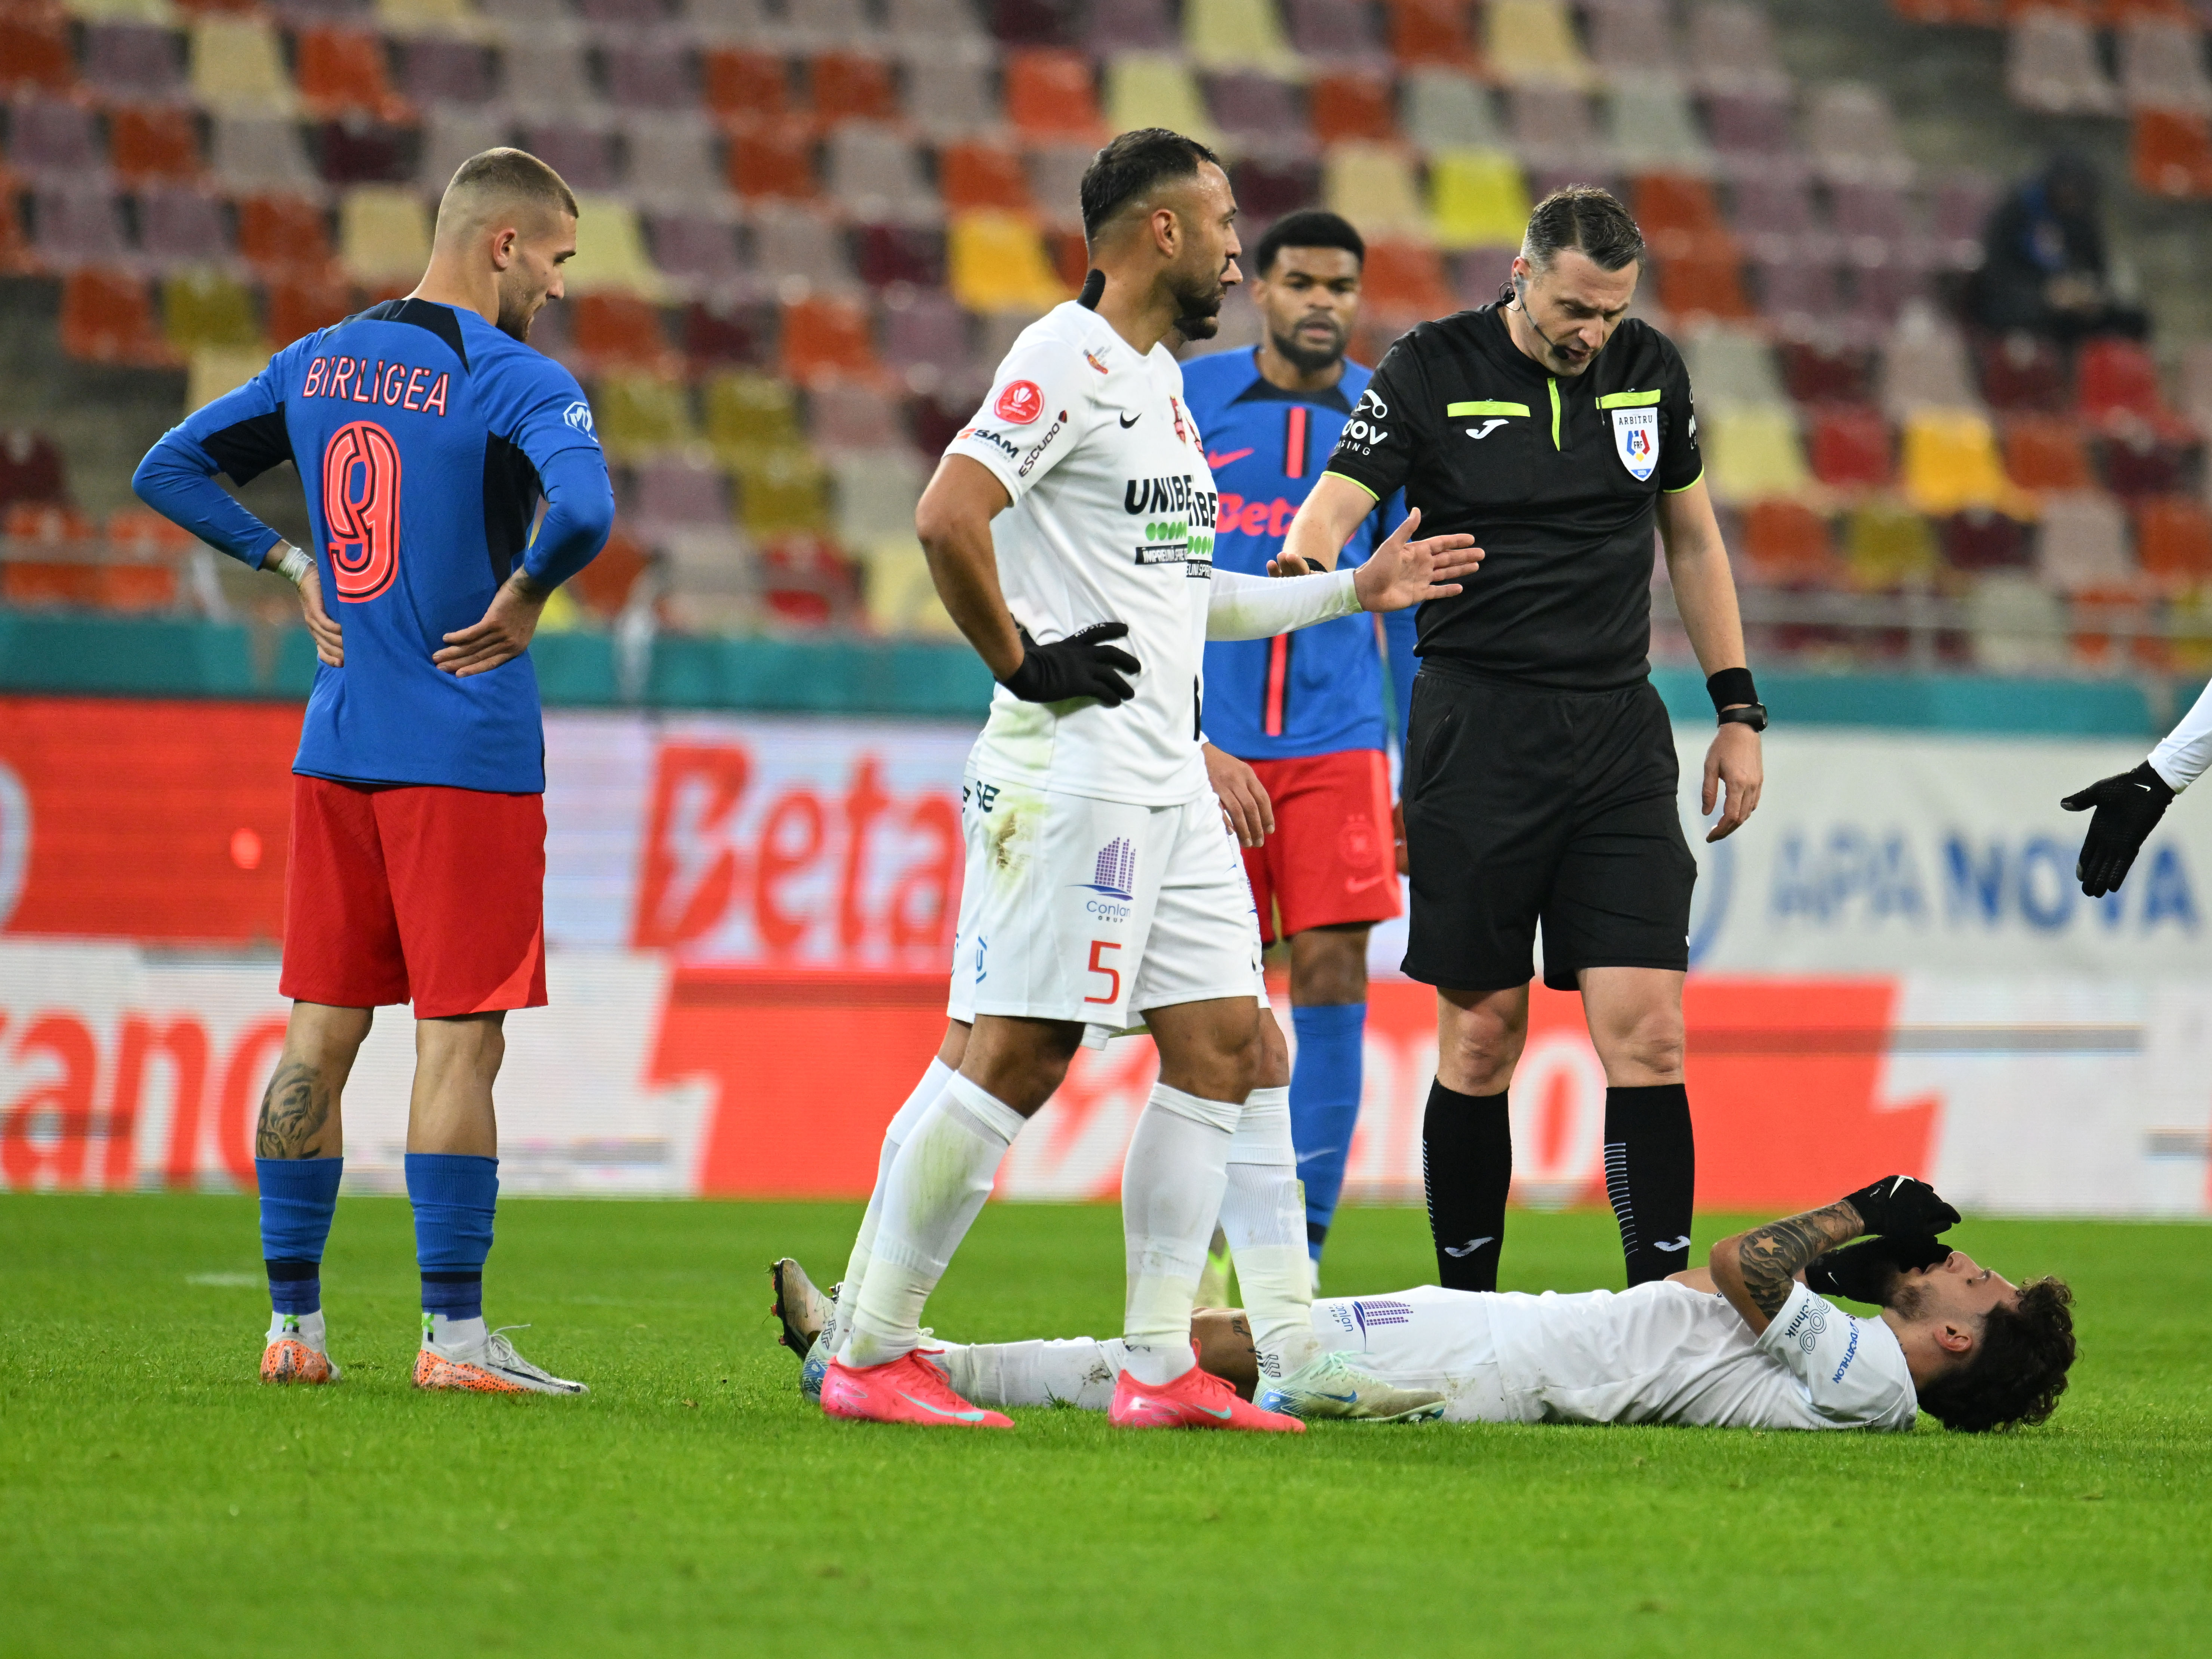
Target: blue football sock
(454,1195)
(1325,1105)
(299,1195)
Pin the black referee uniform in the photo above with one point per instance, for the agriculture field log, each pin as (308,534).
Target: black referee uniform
(1541,777)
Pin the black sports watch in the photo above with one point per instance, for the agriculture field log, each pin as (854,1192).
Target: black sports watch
(1753,714)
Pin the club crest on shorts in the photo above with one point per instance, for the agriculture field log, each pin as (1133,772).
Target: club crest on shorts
(1636,440)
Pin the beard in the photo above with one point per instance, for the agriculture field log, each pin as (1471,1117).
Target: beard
(1307,358)
(518,309)
(1198,309)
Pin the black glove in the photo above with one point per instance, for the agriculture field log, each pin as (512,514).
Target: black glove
(1868,1271)
(1899,1204)
(2129,806)
(1080,665)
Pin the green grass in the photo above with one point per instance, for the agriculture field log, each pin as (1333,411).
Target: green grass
(154,1497)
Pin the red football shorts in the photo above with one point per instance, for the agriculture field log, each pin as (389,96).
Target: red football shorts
(415,892)
(1330,860)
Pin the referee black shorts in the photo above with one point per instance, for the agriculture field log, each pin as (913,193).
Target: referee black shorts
(1524,805)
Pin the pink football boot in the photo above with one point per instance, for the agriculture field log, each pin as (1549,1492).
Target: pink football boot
(908,1389)
(1196,1399)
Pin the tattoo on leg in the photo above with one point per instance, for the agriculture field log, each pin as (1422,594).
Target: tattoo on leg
(1771,1255)
(293,1112)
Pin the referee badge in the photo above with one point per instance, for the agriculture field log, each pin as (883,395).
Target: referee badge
(1636,438)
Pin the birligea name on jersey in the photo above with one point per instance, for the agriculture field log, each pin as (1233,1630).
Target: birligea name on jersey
(351,381)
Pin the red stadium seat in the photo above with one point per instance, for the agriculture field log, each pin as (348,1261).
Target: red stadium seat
(850,86)
(31,467)
(1071,257)
(2138,462)
(899,253)
(153,141)
(2171,153)
(716,332)
(145,577)
(2174,539)
(107,317)
(1850,448)
(1052,94)
(1787,545)
(1672,204)
(300,301)
(344,72)
(1344,107)
(2118,377)
(1405,279)
(58,581)
(1704,276)
(34,50)
(1431,32)
(284,232)
(747,86)
(2022,372)
(826,336)
(2045,451)
(619,330)
(806,582)
(603,586)
(977,177)
(773,159)
(1817,371)
(1979,540)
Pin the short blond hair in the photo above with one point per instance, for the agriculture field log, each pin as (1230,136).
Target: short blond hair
(489,181)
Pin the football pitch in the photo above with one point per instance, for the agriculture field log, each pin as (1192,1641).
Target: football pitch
(155,1497)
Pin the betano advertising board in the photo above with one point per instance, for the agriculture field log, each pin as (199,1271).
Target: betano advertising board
(751,920)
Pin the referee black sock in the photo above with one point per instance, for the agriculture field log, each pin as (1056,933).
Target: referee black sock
(1467,1164)
(1651,1176)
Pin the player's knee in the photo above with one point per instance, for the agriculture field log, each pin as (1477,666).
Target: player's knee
(1650,1049)
(1273,1070)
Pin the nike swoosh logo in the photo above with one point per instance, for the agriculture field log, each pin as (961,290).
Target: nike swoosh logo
(1128,421)
(1212,459)
(940,1411)
(1319,1151)
(1141,1403)
(1469,1247)
(1352,886)
(1682,1243)
(1341,1399)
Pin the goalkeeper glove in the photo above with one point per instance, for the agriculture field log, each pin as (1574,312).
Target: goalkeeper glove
(1080,665)
(1868,1271)
(2129,806)
(1899,1204)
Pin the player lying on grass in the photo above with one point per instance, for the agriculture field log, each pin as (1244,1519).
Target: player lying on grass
(1748,1341)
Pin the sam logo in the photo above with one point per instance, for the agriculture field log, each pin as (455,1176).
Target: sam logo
(1115,874)
(578,418)
(998,440)
(1021,403)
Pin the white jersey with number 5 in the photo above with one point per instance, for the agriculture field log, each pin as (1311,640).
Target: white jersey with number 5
(1112,520)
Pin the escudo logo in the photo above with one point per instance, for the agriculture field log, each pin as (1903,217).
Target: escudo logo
(577,418)
(1021,403)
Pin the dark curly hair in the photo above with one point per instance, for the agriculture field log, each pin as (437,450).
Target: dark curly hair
(2018,1370)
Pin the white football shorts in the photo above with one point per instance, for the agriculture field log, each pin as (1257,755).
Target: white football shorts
(1095,911)
(1428,1338)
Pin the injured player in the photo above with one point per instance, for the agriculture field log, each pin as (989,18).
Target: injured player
(1748,1341)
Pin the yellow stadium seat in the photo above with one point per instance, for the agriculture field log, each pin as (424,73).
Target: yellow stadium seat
(214,370)
(1151,89)
(384,234)
(1752,452)
(899,595)
(1887,544)
(121,11)
(201,308)
(238,66)
(748,411)
(1952,462)
(997,262)
(440,16)
(1372,185)
(1477,199)
(781,490)
(611,252)
(639,414)
(1533,41)
(1237,34)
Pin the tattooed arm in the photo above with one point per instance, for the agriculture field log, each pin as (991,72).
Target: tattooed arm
(1755,1270)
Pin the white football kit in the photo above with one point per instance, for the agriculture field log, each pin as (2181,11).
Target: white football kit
(1100,879)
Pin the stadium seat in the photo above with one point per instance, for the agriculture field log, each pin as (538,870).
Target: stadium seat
(1703,277)
(781,490)
(212,372)
(203,309)
(1405,280)
(1256,111)
(126,61)
(796,246)
(447,17)
(250,152)
(2117,378)
(1433,32)
(2136,462)
(342,71)
(604,586)
(300,302)
(1798,292)
(852,85)
(1888,546)
(34,51)
(2045,453)
(833,22)
(106,318)
(68,576)
(1751,451)
(674,159)
(1479,274)
(875,174)
(746,85)
(1818,369)
(1731,49)
(1669,205)
(439,68)
(1533,40)
(721,329)
(746,412)
(1268,187)
(238,67)
(1750,124)
(617,331)
(2022,372)
(450,137)
(2052,65)
(844,417)
(1115,26)
(674,492)
(1153,89)
(384,235)
(1731,366)
(694,248)
(1056,180)
(1631,37)
(1553,127)
(2081,543)
(997,264)
(875,493)
(1330,31)
(51,138)
(772,160)
(921,27)
(354,149)
(898,595)
(77,225)
(1959,210)
(2173,540)
(1477,199)
(1950,461)
(1372,185)
(1923,366)
(610,251)
(949,98)
(580,149)
(924,335)
(1785,544)
(1850,446)
(1237,34)
(1050,95)
(1650,125)
(1349,107)
(1849,131)
(1882,294)
(2170,152)
(546,72)
(178,225)
(1979,539)
(649,74)
(806,581)
(2015,626)
(31,468)
(146,550)
(2162,66)
(981,178)
(1439,109)
(825,335)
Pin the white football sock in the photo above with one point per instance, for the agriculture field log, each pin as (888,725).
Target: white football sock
(457,1332)
(1078,1371)
(1171,1188)
(1265,1217)
(307,1328)
(894,1133)
(931,1193)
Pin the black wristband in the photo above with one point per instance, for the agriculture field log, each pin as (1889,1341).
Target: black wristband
(1730,687)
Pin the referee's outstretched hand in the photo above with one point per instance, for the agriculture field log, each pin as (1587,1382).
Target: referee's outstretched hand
(1402,572)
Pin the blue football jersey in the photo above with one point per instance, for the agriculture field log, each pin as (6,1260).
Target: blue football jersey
(1319,690)
(418,431)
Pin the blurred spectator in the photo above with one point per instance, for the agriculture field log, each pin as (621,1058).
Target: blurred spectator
(2043,269)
